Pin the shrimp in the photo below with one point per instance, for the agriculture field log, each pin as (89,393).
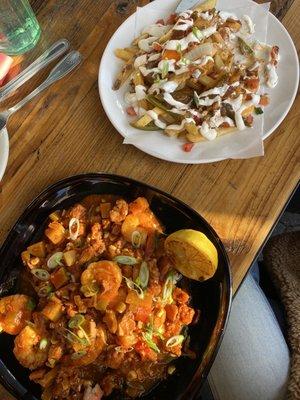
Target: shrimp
(105,276)
(15,310)
(140,219)
(88,356)
(119,212)
(28,350)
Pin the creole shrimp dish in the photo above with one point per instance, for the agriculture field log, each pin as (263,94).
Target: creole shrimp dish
(107,310)
(197,75)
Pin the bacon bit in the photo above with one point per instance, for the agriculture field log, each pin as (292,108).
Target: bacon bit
(248,97)
(198,120)
(274,55)
(160,21)
(187,147)
(171,55)
(156,46)
(264,100)
(150,245)
(252,84)
(131,111)
(171,19)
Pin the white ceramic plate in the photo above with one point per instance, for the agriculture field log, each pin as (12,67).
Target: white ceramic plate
(282,96)
(4,149)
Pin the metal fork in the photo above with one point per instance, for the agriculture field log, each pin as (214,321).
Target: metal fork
(66,65)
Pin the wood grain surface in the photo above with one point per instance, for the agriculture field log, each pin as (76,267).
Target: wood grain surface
(65,132)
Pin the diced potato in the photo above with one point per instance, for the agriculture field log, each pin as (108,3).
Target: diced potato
(225,131)
(37,249)
(55,216)
(105,209)
(55,232)
(25,255)
(206,5)
(123,54)
(53,310)
(174,132)
(193,134)
(59,278)
(70,257)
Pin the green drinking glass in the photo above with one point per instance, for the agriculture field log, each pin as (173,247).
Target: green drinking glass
(19,28)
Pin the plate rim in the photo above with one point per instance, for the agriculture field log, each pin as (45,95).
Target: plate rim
(5,152)
(8,379)
(182,161)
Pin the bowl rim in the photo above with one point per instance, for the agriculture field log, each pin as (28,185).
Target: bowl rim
(8,380)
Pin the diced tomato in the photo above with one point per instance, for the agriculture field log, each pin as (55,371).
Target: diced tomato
(171,19)
(160,21)
(141,314)
(264,100)
(131,111)
(248,97)
(171,55)
(156,46)
(187,147)
(5,64)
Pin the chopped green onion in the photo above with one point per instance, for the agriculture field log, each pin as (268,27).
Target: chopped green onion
(41,274)
(175,340)
(31,305)
(144,275)
(90,290)
(126,260)
(197,33)
(76,321)
(43,344)
(185,61)
(72,337)
(168,287)
(136,239)
(74,223)
(196,99)
(78,354)
(179,49)
(134,286)
(258,110)
(165,69)
(148,339)
(55,260)
(86,337)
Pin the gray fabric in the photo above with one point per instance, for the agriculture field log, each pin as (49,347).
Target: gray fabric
(253,361)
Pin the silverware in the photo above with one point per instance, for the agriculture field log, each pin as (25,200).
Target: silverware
(185,5)
(66,65)
(56,50)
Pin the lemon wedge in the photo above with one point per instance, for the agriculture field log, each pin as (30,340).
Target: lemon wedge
(192,254)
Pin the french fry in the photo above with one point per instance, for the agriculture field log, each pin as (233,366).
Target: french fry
(146,119)
(165,37)
(206,6)
(123,54)
(123,75)
(138,78)
(207,81)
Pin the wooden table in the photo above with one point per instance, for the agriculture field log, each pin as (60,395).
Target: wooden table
(66,132)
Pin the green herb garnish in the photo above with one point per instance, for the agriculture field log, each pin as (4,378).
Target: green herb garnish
(258,110)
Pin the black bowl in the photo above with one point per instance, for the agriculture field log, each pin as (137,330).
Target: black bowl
(212,297)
